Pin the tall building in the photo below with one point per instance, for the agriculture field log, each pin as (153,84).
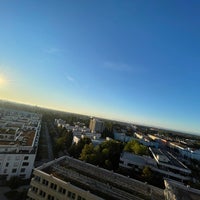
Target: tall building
(96,125)
(67,178)
(19,137)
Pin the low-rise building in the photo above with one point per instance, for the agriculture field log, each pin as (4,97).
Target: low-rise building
(161,163)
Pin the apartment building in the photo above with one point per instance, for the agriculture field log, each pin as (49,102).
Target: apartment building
(96,125)
(67,178)
(19,137)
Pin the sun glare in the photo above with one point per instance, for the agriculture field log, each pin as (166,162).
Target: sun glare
(2,80)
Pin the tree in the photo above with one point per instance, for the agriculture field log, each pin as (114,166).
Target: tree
(147,173)
(87,150)
(69,139)
(105,155)
(60,143)
(135,147)
(76,149)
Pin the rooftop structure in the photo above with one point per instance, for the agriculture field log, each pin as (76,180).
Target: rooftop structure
(68,178)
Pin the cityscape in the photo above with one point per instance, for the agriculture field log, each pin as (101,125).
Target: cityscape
(99,100)
(59,155)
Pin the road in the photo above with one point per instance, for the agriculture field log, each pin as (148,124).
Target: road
(49,144)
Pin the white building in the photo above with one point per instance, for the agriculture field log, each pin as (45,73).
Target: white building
(166,165)
(185,151)
(19,137)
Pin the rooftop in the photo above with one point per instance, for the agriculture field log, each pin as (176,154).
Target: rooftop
(25,139)
(101,182)
(172,159)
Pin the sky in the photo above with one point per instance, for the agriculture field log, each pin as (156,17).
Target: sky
(135,61)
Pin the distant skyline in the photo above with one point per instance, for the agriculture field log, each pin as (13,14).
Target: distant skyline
(134,61)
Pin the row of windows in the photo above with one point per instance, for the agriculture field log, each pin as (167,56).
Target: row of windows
(50,197)
(16,164)
(54,186)
(15,170)
(16,158)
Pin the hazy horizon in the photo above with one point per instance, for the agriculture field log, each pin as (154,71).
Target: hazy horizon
(101,117)
(133,61)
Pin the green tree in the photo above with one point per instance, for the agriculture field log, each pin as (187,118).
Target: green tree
(76,149)
(105,155)
(87,150)
(60,143)
(69,139)
(136,148)
(147,173)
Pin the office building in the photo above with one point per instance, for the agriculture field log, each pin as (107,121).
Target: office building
(96,125)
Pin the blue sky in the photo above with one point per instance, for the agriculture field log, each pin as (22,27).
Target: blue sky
(135,61)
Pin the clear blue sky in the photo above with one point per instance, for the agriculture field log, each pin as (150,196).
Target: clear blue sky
(136,61)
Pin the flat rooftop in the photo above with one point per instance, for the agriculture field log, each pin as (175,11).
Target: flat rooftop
(26,138)
(172,159)
(101,182)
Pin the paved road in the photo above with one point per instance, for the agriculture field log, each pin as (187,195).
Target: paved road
(49,144)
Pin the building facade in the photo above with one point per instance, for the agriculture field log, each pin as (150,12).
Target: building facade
(96,125)
(19,137)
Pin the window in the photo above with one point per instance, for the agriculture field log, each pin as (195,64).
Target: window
(37,178)
(25,164)
(42,193)
(7,164)
(49,197)
(71,195)
(80,198)
(53,186)
(34,189)
(62,190)
(45,182)
(26,158)
(5,171)
(14,170)
(22,170)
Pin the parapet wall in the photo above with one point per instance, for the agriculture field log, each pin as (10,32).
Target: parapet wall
(177,191)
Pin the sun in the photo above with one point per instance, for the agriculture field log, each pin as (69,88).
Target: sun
(2,80)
